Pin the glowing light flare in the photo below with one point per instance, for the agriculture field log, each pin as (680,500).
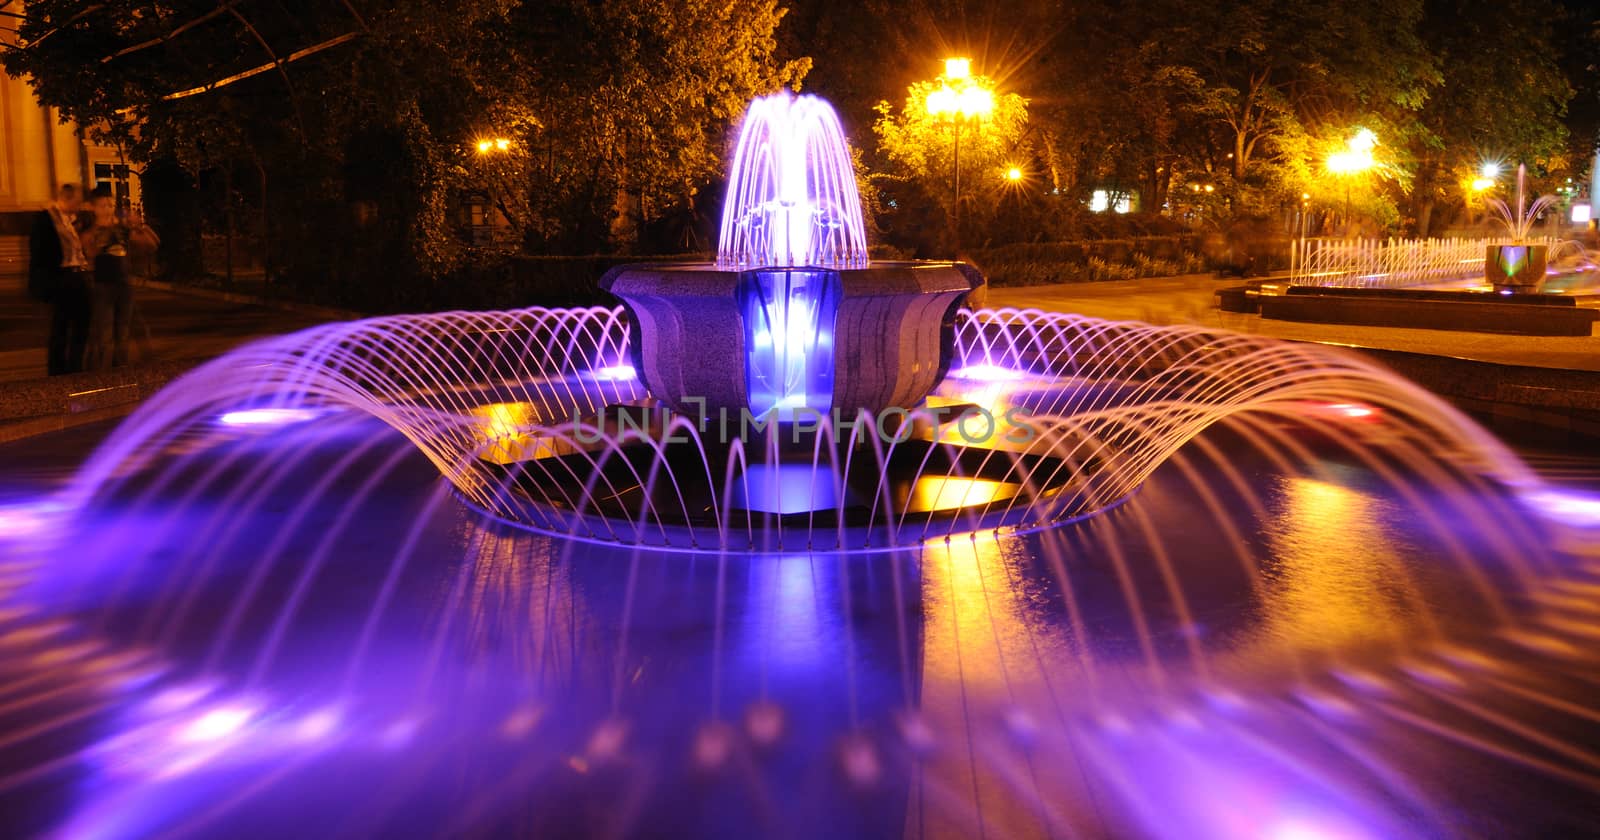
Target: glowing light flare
(943,102)
(215,724)
(1100,201)
(29,519)
(1581,213)
(1345,410)
(789,319)
(985,372)
(1349,162)
(1489,171)
(1481,184)
(317,725)
(267,416)
(931,493)
(1356,156)
(1576,509)
(957,69)
(1014,174)
(975,102)
(614,373)
(788,488)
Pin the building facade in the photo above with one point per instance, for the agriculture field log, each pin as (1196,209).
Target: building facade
(37,152)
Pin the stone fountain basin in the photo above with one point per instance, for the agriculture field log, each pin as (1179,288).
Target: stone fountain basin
(890,334)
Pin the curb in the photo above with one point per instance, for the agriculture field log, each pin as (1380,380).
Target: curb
(38,406)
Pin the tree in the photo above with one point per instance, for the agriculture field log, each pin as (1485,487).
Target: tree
(368,139)
(921,146)
(1500,99)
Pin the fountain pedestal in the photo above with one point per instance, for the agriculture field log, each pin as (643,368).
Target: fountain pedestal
(791,339)
(1515,266)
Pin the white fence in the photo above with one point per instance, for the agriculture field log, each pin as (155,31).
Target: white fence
(1389,263)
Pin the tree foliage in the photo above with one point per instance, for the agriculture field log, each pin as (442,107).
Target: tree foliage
(354,135)
(617,114)
(920,146)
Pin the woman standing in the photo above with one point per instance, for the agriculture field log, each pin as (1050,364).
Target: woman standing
(107,243)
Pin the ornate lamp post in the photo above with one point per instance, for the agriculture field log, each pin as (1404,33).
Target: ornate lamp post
(1353,160)
(958,99)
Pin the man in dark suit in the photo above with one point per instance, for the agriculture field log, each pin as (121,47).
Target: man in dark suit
(58,273)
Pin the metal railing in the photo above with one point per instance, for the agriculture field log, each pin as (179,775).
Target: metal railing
(1389,263)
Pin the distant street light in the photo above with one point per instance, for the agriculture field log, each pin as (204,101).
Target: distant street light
(959,98)
(498,144)
(1014,174)
(1354,159)
(1356,156)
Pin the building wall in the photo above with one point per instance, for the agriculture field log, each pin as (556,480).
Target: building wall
(37,152)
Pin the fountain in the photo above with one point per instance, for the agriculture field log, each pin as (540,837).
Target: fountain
(793,317)
(792,543)
(1518,264)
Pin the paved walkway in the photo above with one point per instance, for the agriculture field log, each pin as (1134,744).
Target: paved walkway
(1191,300)
(180,327)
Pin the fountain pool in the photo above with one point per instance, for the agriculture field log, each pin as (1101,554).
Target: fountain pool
(1042,576)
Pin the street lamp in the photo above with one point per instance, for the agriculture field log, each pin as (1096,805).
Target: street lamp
(1014,174)
(959,98)
(1354,159)
(498,144)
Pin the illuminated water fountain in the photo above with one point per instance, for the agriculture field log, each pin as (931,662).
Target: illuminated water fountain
(621,571)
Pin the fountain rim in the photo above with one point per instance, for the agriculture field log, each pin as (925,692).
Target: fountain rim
(714,266)
(996,530)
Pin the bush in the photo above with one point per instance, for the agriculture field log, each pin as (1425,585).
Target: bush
(1036,264)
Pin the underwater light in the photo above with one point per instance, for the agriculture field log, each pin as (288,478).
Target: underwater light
(614,373)
(1576,509)
(267,416)
(1344,410)
(27,519)
(988,372)
(216,724)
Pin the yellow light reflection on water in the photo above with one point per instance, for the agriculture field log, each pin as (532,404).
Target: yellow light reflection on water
(504,427)
(1336,576)
(982,640)
(931,493)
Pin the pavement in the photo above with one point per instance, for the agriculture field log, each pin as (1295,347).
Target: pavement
(167,327)
(186,328)
(1191,300)
(172,333)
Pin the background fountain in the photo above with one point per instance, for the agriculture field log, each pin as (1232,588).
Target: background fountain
(1518,264)
(406,575)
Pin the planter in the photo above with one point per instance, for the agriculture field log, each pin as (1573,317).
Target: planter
(1515,267)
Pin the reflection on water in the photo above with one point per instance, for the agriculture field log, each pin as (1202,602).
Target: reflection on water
(1335,574)
(443,673)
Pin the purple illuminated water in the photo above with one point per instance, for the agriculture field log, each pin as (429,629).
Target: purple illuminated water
(792,200)
(457,574)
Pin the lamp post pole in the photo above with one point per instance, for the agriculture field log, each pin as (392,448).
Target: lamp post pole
(1354,159)
(957,190)
(958,98)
